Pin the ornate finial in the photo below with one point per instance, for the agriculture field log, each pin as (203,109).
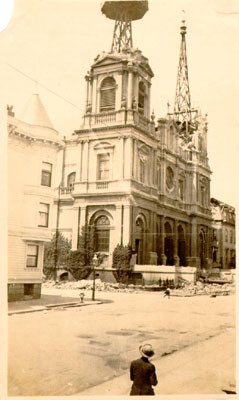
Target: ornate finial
(168,105)
(183,28)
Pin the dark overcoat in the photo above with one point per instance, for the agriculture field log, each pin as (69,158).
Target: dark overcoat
(143,375)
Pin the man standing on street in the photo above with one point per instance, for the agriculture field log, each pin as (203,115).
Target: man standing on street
(142,373)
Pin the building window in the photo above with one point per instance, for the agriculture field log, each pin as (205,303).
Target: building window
(142,171)
(44,214)
(32,255)
(103,172)
(107,95)
(169,178)
(46,174)
(102,234)
(71,180)
(141,98)
(226,235)
(181,189)
(231,237)
(203,195)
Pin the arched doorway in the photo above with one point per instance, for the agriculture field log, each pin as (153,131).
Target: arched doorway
(168,243)
(139,239)
(202,248)
(181,246)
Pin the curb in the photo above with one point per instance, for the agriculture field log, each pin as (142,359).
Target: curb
(54,306)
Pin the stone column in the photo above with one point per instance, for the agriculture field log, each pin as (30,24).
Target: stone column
(128,157)
(130,93)
(85,161)
(175,245)
(94,94)
(75,228)
(87,93)
(79,163)
(162,237)
(126,224)
(82,219)
(119,227)
(136,159)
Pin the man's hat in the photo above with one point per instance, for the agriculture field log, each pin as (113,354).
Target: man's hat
(146,350)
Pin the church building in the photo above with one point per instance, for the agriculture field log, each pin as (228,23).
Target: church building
(138,180)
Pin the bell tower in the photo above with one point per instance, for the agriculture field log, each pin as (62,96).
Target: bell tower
(118,83)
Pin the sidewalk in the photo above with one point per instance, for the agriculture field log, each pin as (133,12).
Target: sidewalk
(47,302)
(204,368)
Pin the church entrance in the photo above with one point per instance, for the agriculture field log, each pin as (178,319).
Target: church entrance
(181,246)
(168,244)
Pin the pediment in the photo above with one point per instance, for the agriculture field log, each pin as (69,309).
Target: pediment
(106,61)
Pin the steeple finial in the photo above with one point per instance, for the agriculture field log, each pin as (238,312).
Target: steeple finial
(182,104)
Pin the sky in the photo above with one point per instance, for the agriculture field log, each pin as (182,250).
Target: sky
(54,43)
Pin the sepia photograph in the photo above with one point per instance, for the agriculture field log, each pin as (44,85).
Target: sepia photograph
(122,168)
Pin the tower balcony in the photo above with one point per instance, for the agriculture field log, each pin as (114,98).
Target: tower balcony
(119,117)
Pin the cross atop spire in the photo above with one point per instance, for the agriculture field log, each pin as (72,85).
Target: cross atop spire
(182,105)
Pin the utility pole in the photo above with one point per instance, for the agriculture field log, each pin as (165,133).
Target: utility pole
(94,262)
(57,234)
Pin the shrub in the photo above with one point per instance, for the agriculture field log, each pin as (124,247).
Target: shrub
(121,263)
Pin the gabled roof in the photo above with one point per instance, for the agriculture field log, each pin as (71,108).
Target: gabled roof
(35,113)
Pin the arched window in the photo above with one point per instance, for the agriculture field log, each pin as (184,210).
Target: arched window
(141,98)
(102,233)
(107,95)
(71,180)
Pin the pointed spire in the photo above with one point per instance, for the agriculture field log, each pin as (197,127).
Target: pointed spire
(182,105)
(35,113)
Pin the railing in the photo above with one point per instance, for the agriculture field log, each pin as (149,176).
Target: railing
(102,185)
(104,118)
(67,190)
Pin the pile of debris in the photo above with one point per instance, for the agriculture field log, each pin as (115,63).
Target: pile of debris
(201,288)
(99,286)
(187,290)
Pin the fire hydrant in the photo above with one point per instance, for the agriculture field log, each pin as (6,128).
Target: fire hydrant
(82,295)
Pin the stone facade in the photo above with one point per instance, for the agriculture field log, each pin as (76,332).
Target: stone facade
(131,176)
(224,235)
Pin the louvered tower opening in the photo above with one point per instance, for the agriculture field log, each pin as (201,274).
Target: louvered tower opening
(141,98)
(107,95)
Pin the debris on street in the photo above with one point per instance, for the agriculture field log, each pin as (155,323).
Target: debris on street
(190,289)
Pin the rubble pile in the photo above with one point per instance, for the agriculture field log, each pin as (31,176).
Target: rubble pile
(188,290)
(99,286)
(204,289)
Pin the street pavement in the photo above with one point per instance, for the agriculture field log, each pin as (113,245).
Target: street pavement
(196,369)
(87,350)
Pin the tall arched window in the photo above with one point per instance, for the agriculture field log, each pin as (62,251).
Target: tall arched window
(141,98)
(107,95)
(102,233)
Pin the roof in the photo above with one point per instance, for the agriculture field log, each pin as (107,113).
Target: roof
(35,113)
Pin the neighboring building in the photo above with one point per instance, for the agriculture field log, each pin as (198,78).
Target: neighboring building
(32,153)
(138,182)
(224,235)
